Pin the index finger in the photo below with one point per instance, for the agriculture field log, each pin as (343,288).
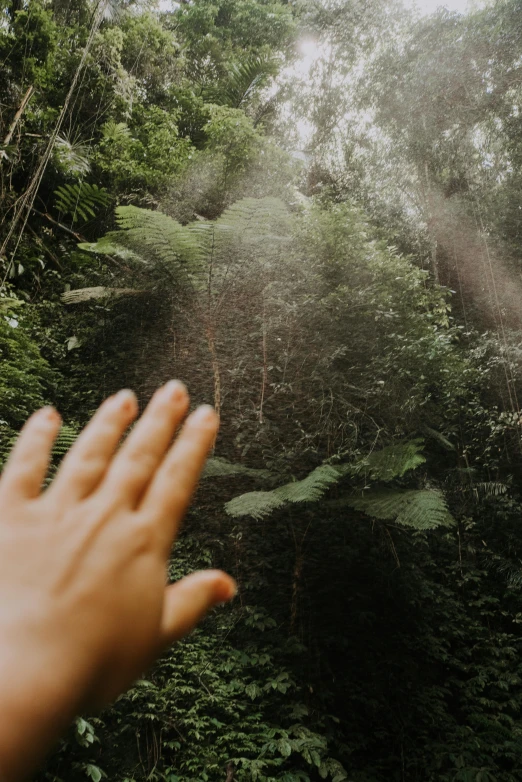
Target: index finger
(29,460)
(170,491)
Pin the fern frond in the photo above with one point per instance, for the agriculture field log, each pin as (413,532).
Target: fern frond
(8,302)
(81,200)
(391,462)
(65,439)
(419,509)
(217,467)
(153,238)
(311,488)
(264,221)
(261,503)
(80,295)
(67,436)
(108,245)
(257,504)
(251,230)
(489,489)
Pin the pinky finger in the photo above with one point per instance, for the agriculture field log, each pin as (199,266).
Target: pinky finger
(28,462)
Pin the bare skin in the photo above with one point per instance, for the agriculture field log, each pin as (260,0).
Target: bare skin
(84,606)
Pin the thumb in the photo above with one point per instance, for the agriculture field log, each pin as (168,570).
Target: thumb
(186,602)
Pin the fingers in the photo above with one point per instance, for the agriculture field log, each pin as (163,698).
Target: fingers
(28,463)
(140,456)
(186,602)
(173,485)
(88,460)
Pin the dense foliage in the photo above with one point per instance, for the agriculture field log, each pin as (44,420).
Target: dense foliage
(328,248)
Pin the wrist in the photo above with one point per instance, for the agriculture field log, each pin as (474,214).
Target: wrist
(40,697)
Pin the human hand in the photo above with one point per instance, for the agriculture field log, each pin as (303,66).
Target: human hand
(84,606)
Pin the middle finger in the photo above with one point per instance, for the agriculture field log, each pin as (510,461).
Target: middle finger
(136,462)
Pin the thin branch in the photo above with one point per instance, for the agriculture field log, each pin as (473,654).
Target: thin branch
(27,97)
(78,237)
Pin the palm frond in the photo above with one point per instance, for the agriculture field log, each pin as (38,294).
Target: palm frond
(73,156)
(243,80)
(115,131)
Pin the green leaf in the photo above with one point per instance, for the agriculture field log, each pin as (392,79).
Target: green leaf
(93,772)
(81,726)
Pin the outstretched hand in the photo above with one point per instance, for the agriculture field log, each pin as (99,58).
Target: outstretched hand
(84,606)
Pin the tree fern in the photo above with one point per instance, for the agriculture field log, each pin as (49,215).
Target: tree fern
(250,229)
(81,200)
(420,509)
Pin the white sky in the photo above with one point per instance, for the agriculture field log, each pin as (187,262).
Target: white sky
(430,6)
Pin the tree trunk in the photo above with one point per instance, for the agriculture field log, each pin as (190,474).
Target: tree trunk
(264,380)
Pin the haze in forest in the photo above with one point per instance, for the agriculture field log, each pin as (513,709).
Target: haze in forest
(311,213)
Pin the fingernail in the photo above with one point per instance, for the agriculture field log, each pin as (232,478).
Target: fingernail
(204,415)
(125,400)
(50,414)
(174,390)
